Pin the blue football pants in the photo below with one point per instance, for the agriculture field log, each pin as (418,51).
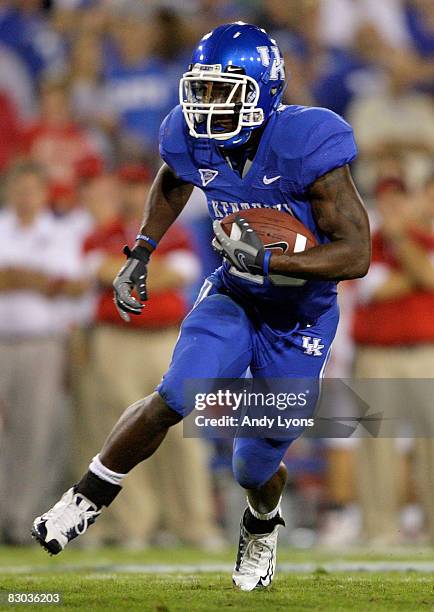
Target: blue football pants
(219,340)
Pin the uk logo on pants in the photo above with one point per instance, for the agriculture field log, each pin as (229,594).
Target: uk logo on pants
(312,346)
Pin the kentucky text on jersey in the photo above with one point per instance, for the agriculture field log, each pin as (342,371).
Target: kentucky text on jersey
(223,209)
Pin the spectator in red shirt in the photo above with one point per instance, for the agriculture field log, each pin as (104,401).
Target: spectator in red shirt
(126,360)
(8,130)
(98,192)
(175,263)
(394,336)
(399,289)
(54,140)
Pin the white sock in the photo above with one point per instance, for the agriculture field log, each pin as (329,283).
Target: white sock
(264,516)
(100,470)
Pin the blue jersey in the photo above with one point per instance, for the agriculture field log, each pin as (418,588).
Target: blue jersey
(299,144)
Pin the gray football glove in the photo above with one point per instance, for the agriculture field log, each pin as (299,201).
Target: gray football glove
(131,276)
(247,253)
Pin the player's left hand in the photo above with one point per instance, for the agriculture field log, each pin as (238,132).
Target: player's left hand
(247,253)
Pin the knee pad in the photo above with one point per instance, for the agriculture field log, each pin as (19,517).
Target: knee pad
(255,461)
(244,475)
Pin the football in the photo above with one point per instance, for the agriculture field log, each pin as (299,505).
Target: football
(278,231)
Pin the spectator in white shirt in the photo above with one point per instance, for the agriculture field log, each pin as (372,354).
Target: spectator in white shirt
(38,272)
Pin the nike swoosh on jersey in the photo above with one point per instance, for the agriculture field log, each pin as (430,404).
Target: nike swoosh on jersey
(268,181)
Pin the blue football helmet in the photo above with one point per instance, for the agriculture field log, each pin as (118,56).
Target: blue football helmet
(233,85)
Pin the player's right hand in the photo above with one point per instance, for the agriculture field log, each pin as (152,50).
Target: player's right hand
(132,276)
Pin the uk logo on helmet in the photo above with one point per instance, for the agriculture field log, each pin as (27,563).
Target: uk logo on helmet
(207,175)
(236,71)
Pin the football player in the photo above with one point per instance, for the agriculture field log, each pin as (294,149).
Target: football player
(232,137)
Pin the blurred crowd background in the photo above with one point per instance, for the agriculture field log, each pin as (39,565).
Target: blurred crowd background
(84,86)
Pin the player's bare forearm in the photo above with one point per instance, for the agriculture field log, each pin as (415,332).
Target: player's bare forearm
(341,216)
(168,196)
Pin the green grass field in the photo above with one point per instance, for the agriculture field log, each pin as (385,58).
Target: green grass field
(172,580)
